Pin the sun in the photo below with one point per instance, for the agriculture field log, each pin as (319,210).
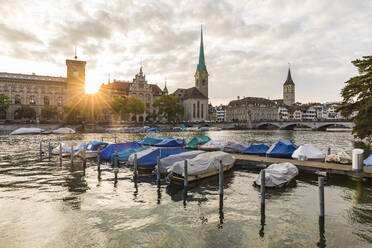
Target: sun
(91,87)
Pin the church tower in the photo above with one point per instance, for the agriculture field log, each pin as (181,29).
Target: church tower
(75,86)
(201,74)
(289,90)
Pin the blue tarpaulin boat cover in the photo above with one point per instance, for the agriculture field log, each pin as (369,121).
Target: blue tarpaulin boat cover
(254,149)
(153,129)
(150,159)
(281,149)
(368,161)
(123,156)
(110,149)
(148,141)
(171,143)
(94,145)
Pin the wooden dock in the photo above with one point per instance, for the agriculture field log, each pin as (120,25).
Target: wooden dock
(252,160)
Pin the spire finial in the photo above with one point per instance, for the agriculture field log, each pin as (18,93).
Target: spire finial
(289,65)
(109,81)
(75,53)
(201,64)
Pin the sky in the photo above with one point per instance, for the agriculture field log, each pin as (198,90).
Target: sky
(248,44)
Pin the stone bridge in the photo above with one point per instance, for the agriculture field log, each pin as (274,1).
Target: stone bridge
(313,125)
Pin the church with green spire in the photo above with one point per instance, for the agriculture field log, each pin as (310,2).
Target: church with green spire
(195,99)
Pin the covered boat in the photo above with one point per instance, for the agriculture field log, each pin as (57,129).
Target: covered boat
(171,143)
(27,130)
(198,141)
(368,161)
(340,158)
(123,156)
(281,149)
(92,149)
(237,147)
(308,152)
(202,166)
(110,149)
(66,147)
(278,174)
(147,159)
(170,160)
(256,149)
(215,145)
(203,129)
(149,141)
(153,129)
(63,130)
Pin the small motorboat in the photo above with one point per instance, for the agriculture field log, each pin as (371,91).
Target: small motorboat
(368,161)
(169,161)
(107,152)
(63,130)
(92,149)
(27,130)
(215,145)
(281,149)
(66,147)
(278,175)
(203,165)
(237,147)
(308,152)
(256,149)
(198,141)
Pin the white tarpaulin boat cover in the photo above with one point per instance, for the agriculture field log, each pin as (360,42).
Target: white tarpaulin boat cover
(277,174)
(215,145)
(170,160)
(64,130)
(237,147)
(309,151)
(66,147)
(203,163)
(27,130)
(340,157)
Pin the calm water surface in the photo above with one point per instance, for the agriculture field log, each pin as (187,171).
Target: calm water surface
(43,204)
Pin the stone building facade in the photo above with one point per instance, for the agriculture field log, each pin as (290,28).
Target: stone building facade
(38,91)
(251,109)
(138,88)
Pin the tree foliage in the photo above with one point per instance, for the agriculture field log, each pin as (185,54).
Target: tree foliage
(169,106)
(4,105)
(357,99)
(120,106)
(136,106)
(25,112)
(49,112)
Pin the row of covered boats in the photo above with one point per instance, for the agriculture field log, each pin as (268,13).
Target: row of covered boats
(36,130)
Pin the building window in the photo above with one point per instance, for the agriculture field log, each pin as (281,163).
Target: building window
(148,98)
(203,82)
(32,100)
(198,110)
(17,99)
(46,100)
(193,110)
(202,111)
(14,89)
(59,101)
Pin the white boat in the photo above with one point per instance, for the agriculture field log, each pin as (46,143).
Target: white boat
(277,175)
(63,130)
(308,152)
(27,130)
(66,147)
(172,159)
(204,165)
(215,145)
(237,147)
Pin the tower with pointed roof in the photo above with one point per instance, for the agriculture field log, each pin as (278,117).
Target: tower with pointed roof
(289,90)
(165,90)
(201,74)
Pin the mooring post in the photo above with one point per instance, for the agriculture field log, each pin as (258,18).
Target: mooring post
(321,196)
(99,161)
(329,151)
(116,169)
(41,150)
(221,179)
(158,171)
(116,158)
(49,151)
(102,138)
(72,154)
(60,154)
(84,156)
(185,176)
(135,166)
(263,187)
(115,139)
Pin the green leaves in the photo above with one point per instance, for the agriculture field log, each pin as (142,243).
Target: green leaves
(25,112)
(49,112)
(169,106)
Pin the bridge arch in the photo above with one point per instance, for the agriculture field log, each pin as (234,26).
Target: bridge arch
(267,125)
(323,127)
(292,126)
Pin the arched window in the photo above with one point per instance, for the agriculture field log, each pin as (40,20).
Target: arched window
(46,100)
(32,100)
(59,101)
(17,99)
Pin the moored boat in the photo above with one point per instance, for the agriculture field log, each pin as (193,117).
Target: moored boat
(27,130)
(308,152)
(278,175)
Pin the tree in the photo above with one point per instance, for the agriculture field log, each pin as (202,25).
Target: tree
(136,106)
(4,105)
(357,99)
(169,106)
(25,112)
(120,107)
(49,112)
(74,113)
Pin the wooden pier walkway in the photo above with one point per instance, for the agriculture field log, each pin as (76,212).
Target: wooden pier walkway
(253,160)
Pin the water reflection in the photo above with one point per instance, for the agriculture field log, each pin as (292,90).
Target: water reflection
(220,211)
(262,230)
(322,240)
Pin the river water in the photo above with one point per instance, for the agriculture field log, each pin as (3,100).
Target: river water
(43,204)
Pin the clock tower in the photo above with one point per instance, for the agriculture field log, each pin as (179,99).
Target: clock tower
(75,85)
(201,74)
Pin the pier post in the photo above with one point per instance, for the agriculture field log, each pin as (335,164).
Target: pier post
(186,176)
(116,169)
(135,166)
(60,154)
(41,150)
(321,196)
(72,154)
(221,179)
(102,138)
(263,188)
(115,140)
(329,151)
(84,156)
(49,151)
(99,162)
(158,172)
